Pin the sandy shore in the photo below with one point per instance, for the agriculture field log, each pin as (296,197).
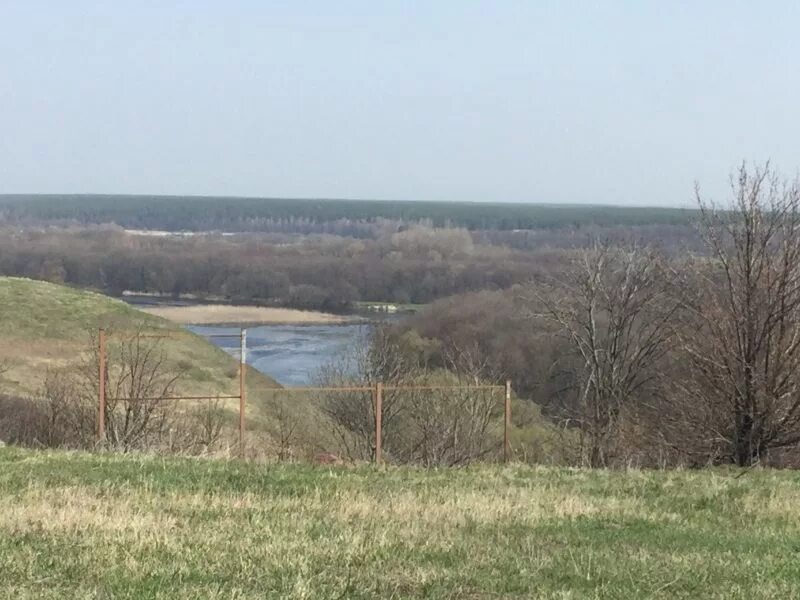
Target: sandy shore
(251,315)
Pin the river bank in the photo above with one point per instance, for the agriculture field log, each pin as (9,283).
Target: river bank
(218,314)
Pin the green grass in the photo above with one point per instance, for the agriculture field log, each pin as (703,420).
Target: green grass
(77,525)
(45,326)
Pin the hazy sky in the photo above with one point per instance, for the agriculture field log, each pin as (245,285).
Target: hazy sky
(607,102)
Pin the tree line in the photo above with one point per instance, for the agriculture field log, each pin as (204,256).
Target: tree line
(295,215)
(643,355)
(415,265)
(656,359)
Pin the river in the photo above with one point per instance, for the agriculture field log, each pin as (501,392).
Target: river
(290,354)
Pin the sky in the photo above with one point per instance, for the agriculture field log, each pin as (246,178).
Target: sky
(624,103)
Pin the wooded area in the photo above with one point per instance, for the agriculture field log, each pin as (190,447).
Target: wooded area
(652,359)
(306,215)
(653,345)
(324,255)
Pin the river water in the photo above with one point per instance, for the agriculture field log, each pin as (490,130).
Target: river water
(290,354)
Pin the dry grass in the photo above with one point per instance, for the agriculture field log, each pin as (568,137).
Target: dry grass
(251,315)
(46,326)
(104,526)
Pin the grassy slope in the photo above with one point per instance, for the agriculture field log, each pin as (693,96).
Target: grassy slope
(86,526)
(43,325)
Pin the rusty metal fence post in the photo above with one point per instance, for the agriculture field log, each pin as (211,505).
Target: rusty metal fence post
(378,422)
(507,422)
(242,385)
(377,389)
(101,386)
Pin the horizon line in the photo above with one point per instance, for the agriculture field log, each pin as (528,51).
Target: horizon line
(573,204)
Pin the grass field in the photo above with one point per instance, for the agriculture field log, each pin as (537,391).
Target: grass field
(111,526)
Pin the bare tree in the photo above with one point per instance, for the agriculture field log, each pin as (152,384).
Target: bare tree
(70,418)
(743,342)
(209,421)
(352,413)
(288,429)
(56,417)
(451,425)
(139,383)
(429,417)
(613,308)
(22,421)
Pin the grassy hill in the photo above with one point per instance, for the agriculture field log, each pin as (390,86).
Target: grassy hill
(77,525)
(44,325)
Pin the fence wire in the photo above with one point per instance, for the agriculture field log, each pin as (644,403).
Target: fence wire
(404,423)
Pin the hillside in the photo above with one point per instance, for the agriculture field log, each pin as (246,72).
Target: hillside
(78,525)
(45,326)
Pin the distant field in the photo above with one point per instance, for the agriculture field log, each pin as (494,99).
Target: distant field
(77,525)
(251,315)
(200,213)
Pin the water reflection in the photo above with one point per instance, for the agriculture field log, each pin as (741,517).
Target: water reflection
(290,354)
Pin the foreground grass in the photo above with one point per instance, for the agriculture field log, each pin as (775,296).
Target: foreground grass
(76,525)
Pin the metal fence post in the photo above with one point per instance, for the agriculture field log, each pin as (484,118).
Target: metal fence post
(507,422)
(101,385)
(242,386)
(378,422)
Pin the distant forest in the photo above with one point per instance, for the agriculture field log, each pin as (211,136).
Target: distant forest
(316,272)
(353,218)
(624,326)
(322,254)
